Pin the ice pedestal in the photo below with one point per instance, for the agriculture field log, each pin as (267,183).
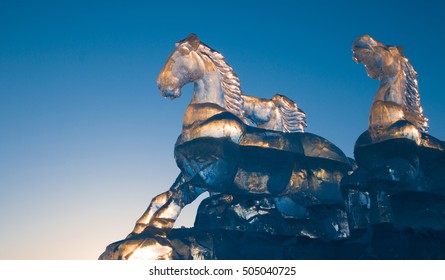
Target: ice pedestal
(392,206)
(273,216)
(383,242)
(287,190)
(398,182)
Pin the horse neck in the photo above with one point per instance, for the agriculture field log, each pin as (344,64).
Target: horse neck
(387,107)
(207,101)
(392,89)
(208,89)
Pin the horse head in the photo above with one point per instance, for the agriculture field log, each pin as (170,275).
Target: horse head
(381,61)
(182,67)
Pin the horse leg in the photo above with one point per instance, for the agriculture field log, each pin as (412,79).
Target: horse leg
(166,216)
(156,203)
(165,208)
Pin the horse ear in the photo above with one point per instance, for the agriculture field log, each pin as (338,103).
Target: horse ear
(401,49)
(193,40)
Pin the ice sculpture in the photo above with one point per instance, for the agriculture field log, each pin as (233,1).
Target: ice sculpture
(263,173)
(400,179)
(397,99)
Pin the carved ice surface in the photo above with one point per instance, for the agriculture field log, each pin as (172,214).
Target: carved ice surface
(289,208)
(152,252)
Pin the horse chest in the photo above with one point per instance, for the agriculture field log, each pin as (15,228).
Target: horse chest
(384,113)
(209,120)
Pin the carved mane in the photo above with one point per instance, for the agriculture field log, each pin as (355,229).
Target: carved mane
(412,109)
(230,81)
(293,119)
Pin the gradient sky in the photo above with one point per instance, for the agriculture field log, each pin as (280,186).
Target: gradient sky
(86,140)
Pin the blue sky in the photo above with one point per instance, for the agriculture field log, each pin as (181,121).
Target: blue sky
(86,140)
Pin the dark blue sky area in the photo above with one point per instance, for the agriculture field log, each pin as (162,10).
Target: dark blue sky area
(86,140)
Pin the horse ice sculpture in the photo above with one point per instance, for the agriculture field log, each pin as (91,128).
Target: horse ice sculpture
(397,98)
(395,155)
(234,144)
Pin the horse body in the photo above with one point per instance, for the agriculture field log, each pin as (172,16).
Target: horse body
(215,82)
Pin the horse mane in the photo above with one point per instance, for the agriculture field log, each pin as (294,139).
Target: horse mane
(230,81)
(293,119)
(412,109)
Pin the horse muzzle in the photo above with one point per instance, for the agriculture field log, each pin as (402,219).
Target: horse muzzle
(171,93)
(169,86)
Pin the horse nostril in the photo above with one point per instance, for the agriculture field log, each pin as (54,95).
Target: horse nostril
(171,92)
